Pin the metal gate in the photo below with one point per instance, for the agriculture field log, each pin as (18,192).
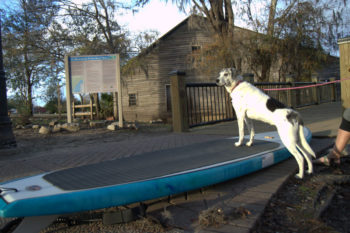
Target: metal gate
(208,103)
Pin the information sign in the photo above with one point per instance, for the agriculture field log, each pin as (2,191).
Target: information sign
(93,74)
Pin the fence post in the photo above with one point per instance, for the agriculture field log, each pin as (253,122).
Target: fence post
(91,110)
(291,97)
(344,52)
(178,101)
(72,112)
(315,90)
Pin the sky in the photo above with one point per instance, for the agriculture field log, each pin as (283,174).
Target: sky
(157,15)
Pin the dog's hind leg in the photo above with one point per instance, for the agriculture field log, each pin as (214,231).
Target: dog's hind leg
(305,149)
(304,143)
(299,158)
(289,142)
(307,157)
(251,131)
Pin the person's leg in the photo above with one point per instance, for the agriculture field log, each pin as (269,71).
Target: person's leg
(341,141)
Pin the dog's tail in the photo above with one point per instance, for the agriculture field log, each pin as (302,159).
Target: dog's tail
(303,141)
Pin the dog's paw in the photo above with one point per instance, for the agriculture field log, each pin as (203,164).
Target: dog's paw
(299,176)
(249,143)
(237,144)
(309,172)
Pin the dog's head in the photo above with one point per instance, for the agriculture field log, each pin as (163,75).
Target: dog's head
(228,77)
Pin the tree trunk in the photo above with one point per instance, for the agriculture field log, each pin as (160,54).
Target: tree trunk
(271,23)
(30,97)
(59,104)
(7,139)
(265,69)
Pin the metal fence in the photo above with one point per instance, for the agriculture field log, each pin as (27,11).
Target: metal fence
(207,103)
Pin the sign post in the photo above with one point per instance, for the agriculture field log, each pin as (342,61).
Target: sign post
(119,86)
(69,94)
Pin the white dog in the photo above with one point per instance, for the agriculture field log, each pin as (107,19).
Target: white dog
(250,102)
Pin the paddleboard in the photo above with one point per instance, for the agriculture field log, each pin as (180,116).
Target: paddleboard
(139,178)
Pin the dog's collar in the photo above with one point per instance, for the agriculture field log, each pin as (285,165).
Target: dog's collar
(237,83)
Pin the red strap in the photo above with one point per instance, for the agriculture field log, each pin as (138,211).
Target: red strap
(237,83)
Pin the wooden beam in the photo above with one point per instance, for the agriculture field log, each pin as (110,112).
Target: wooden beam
(344,51)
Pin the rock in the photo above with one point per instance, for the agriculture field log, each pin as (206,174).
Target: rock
(71,127)
(112,127)
(44,130)
(116,123)
(97,124)
(53,123)
(136,126)
(133,125)
(158,121)
(56,128)
(35,126)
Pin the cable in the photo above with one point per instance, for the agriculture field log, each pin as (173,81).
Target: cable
(307,86)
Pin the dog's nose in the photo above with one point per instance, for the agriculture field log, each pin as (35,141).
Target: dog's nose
(217,80)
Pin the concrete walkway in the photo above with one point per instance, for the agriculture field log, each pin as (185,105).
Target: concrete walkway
(250,193)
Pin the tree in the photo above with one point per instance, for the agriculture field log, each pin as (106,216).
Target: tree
(94,28)
(139,45)
(58,43)
(298,33)
(25,30)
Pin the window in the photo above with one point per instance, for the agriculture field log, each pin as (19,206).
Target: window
(132,99)
(195,57)
(196,48)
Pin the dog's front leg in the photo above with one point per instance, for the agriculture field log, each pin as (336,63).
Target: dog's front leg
(240,121)
(251,131)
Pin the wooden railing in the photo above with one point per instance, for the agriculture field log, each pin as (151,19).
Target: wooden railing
(86,110)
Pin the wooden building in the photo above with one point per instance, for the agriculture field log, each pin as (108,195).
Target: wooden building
(146,86)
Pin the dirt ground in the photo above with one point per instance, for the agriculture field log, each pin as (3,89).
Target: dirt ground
(319,203)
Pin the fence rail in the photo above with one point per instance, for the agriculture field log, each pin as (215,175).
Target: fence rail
(207,103)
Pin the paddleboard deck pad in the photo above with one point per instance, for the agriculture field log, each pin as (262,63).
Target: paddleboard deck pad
(139,178)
